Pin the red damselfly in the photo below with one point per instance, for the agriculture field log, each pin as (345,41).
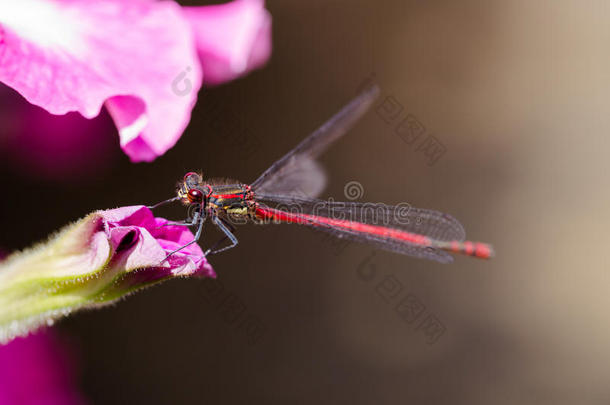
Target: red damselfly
(287,191)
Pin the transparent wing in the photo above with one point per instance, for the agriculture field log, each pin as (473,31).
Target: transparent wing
(297,173)
(395,228)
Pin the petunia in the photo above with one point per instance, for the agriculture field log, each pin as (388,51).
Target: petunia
(139,58)
(99,259)
(38,369)
(231,38)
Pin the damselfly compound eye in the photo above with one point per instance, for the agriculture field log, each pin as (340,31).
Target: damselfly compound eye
(195,195)
(192,180)
(189,174)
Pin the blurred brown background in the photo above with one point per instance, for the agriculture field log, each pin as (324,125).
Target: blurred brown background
(518,94)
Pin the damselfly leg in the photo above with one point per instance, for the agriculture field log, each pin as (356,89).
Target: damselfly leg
(223,226)
(187,222)
(197,218)
(159,204)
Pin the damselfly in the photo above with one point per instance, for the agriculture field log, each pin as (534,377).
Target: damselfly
(287,191)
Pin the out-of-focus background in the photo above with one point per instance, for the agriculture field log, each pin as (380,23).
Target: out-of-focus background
(516,94)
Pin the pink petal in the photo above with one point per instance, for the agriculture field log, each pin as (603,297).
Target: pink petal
(151,242)
(136,56)
(232,38)
(37,369)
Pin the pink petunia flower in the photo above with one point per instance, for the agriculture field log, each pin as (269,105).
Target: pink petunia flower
(101,258)
(139,58)
(38,369)
(229,53)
